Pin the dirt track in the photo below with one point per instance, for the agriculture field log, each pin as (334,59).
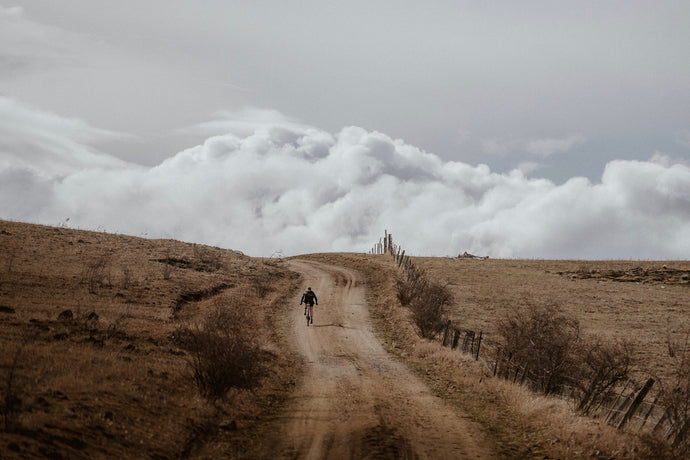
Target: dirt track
(355,400)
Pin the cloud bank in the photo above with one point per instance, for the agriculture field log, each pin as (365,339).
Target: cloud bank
(267,183)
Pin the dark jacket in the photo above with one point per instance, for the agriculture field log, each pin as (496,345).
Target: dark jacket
(309,297)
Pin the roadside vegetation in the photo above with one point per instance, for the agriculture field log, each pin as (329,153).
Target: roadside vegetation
(533,310)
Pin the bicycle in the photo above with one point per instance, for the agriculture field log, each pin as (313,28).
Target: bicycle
(309,313)
(309,299)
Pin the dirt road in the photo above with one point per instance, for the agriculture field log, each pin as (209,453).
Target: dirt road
(355,400)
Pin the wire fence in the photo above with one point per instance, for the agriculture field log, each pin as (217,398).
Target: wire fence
(631,405)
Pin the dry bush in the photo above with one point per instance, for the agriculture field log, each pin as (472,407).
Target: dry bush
(541,342)
(207,259)
(676,395)
(429,309)
(603,366)
(224,351)
(428,300)
(261,285)
(412,285)
(95,272)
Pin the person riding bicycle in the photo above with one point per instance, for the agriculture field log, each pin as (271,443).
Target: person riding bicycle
(309,298)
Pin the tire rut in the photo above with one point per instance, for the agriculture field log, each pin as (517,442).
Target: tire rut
(355,400)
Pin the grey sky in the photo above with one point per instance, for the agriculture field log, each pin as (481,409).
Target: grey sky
(467,80)
(195,111)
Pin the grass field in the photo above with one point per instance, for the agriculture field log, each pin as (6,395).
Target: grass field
(90,366)
(644,302)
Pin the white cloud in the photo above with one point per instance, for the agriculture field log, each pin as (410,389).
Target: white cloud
(272,183)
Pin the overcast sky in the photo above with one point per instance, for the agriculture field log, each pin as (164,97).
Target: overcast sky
(511,129)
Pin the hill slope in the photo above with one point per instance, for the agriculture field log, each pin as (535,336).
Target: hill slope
(87,323)
(92,364)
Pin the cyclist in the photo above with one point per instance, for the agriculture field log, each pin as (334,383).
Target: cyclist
(309,298)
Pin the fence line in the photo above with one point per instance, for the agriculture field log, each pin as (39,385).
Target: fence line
(385,245)
(630,408)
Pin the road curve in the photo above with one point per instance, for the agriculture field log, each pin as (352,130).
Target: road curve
(355,400)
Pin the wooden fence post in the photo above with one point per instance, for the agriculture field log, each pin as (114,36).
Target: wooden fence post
(466,344)
(456,339)
(479,344)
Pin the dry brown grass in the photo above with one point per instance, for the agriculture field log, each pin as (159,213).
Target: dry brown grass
(522,423)
(115,383)
(645,311)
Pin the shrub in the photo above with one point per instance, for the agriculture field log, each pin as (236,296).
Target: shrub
(412,286)
(604,365)
(429,309)
(224,352)
(95,272)
(676,396)
(427,300)
(542,343)
(207,259)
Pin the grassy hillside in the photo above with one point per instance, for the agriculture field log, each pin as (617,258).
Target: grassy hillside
(93,361)
(90,364)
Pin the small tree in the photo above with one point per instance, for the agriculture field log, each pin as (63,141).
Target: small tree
(224,352)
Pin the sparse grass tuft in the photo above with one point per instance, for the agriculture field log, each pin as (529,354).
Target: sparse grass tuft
(95,272)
